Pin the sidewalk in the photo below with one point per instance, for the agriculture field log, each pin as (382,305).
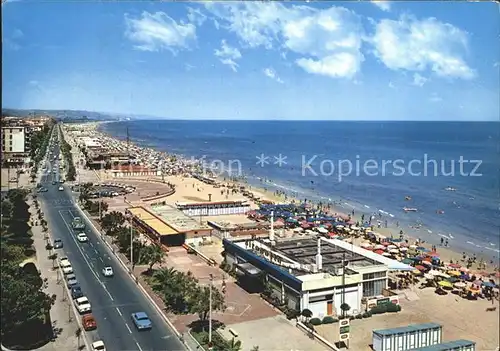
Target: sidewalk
(62,316)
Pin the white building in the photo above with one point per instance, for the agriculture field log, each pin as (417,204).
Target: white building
(14,139)
(309,273)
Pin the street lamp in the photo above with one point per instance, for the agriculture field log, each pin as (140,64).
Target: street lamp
(210,311)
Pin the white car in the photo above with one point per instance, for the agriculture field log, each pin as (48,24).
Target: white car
(83,305)
(61,188)
(81,237)
(67,268)
(107,271)
(98,346)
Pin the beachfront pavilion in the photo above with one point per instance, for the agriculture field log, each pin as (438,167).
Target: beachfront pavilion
(153,226)
(306,273)
(214,208)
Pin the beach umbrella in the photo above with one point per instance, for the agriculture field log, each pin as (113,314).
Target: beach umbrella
(394,251)
(379,247)
(464,269)
(428,276)
(454,273)
(454,265)
(477,282)
(420,268)
(489,284)
(453,279)
(416,272)
(427,263)
(445,284)
(386,254)
(403,249)
(413,246)
(434,273)
(379,252)
(365,244)
(392,247)
(460,285)
(407,261)
(421,248)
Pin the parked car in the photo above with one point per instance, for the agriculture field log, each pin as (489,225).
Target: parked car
(58,244)
(141,321)
(71,282)
(83,305)
(61,188)
(89,322)
(76,292)
(98,346)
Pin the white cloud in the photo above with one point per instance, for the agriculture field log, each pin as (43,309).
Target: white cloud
(391,85)
(228,55)
(271,73)
(420,45)
(196,16)
(324,41)
(382,4)
(419,80)
(157,31)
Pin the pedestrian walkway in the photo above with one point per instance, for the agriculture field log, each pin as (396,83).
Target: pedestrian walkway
(62,316)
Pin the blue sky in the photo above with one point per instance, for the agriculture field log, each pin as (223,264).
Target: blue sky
(254,60)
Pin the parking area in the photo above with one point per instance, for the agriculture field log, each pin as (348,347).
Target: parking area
(240,305)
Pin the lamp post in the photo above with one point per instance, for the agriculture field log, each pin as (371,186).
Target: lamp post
(210,311)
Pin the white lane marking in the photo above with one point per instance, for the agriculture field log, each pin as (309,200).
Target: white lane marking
(83,255)
(119,312)
(101,259)
(90,243)
(130,331)
(139,346)
(97,252)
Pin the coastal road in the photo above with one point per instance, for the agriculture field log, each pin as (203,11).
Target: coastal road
(112,299)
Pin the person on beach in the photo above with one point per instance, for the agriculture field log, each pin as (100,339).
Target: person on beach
(442,241)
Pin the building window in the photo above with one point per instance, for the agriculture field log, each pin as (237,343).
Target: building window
(375,275)
(374,287)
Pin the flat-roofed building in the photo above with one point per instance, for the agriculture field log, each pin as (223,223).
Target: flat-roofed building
(15,145)
(308,273)
(168,225)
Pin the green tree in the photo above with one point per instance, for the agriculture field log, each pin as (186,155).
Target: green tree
(112,220)
(151,255)
(176,288)
(200,302)
(22,298)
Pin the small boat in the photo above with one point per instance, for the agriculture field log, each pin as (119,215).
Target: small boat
(407,198)
(409,209)
(440,212)
(450,188)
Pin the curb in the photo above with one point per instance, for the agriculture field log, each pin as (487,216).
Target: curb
(132,277)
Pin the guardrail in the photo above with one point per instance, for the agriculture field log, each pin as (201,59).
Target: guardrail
(205,258)
(316,336)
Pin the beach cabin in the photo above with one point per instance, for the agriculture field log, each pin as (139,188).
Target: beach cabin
(407,338)
(456,345)
(214,208)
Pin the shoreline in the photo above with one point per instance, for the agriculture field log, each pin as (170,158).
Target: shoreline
(274,192)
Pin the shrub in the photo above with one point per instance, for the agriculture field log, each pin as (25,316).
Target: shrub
(335,320)
(292,314)
(367,314)
(351,318)
(392,308)
(315,321)
(359,316)
(328,320)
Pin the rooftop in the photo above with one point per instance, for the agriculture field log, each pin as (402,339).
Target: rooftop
(304,251)
(177,219)
(407,329)
(450,345)
(152,221)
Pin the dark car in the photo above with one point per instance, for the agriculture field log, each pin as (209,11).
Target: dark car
(76,292)
(58,244)
(53,182)
(42,190)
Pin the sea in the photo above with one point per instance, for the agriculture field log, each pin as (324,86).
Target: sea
(447,171)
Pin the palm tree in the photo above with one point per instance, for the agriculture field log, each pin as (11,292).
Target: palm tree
(152,254)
